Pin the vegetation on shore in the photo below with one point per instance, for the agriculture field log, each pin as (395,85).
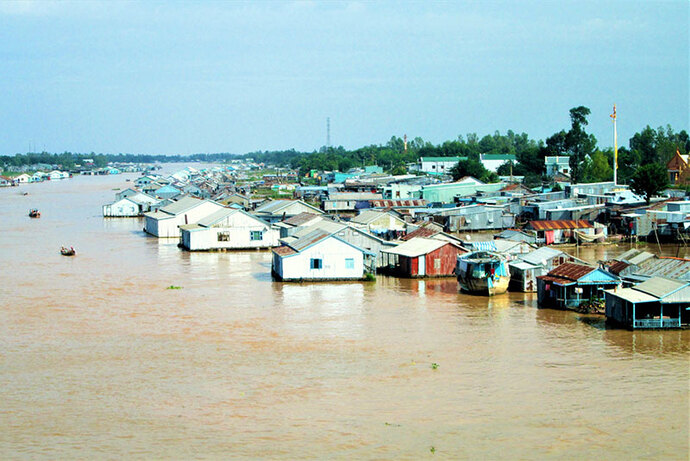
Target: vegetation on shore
(588,162)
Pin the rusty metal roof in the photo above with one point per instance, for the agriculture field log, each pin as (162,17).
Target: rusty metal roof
(571,271)
(618,267)
(284,251)
(560,224)
(558,280)
(398,203)
(421,232)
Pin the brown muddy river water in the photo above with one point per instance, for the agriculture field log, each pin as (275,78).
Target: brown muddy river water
(100,360)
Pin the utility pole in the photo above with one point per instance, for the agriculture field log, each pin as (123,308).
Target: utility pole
(615,147)
(328,133)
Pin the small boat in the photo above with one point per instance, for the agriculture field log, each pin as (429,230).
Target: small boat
(483,272)
(34,213)
(68,251)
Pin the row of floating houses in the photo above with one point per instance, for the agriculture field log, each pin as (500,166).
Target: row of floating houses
(351,230)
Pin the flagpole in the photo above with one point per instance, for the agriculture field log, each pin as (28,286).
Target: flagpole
(615,147)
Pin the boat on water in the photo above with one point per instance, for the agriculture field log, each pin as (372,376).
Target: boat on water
(483,272)
(68,251)
(34,213)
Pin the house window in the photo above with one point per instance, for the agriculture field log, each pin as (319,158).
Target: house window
(223,236)
(437,263)
(316,263)
(256,235)
(349,263)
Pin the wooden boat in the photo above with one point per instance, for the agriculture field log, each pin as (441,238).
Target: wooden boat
(34,213)
(67,251)
(483,272)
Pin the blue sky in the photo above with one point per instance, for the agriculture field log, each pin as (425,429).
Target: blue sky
(186,77)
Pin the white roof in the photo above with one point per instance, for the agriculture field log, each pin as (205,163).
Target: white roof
(660,286)
(416,247)
(522,265)
(632,295)
(542,254)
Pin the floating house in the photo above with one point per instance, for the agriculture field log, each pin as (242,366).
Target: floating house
(349,201)
(228,229)
(424,257)
(279,210)
(320,256)
(167,191)
(525,269)
(188,210)
(656,303)
(382,223)
(565,231)
(290,225)
(570,284)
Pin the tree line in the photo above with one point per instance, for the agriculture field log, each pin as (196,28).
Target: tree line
(588,162)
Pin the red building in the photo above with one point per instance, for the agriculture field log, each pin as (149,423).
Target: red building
(424,257)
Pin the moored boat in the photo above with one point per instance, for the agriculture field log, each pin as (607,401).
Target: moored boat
(483,272)
(34,213)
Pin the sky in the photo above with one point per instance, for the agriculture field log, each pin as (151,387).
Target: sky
(189,77)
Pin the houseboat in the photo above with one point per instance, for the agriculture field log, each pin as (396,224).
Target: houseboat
(483,272)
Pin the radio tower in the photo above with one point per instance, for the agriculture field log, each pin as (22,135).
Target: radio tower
(328,133)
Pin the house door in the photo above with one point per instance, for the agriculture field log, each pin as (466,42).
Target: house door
(422,265)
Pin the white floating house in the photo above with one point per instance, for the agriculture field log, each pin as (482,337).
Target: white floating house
(188,210)
(279,210)
(321,256)
(229,229)
(130,205)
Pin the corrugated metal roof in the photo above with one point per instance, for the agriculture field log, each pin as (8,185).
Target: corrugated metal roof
(627,255)
(523,266)
(538,257)
(216,216)
(560,224)
(398,203)
(417,247)
(660,286)
(309,239)
(301,218)
(640,258)
(421,232)
(284,251)
(632,295)
(558,280)
(182,205)
(330,227)
(367,216)
(571,271)
(680,296)
(273,206)
(618,267)
(674,268)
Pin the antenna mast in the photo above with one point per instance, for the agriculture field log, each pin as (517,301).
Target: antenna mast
(328,133)
(615,147)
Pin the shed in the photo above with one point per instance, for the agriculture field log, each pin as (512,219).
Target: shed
(570,284)
(425,257)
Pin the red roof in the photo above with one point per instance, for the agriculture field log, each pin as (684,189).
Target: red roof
(570,271)
(560,224)
(618,267)
(397,203)
(284,251)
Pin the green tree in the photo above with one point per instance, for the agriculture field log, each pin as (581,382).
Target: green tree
(579,143)
(649,180)
(468,167)
(597,168)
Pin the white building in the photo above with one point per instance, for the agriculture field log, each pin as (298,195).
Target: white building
(557,164)
(229,229)
(129,205)
(279,210)
(492,161)
(23,178)
(321,256)
(56,174)
(188,210)
(438,165)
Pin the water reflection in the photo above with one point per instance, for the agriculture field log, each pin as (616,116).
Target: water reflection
(652,342)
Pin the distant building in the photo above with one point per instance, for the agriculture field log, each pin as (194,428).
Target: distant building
(557,164)
(438,165)
(492,161)
(678,170)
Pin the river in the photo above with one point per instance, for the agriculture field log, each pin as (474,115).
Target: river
(100,360)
